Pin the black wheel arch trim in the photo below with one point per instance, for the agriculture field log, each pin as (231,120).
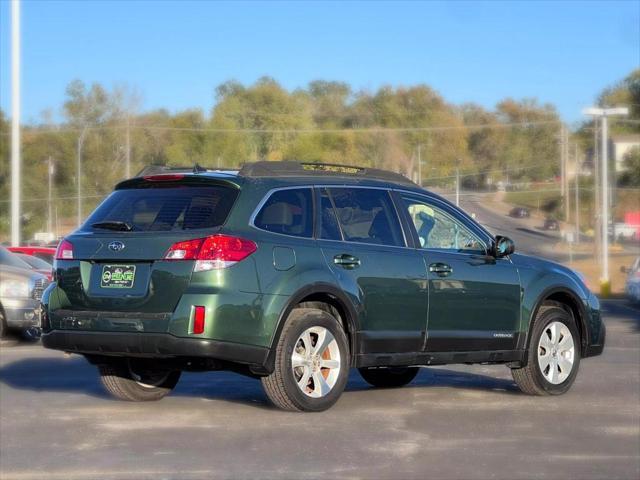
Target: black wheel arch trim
(297,297)
(583,324)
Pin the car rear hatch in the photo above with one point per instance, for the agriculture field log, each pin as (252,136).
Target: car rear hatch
(123,259)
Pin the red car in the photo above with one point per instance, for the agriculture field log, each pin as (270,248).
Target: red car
(45,253)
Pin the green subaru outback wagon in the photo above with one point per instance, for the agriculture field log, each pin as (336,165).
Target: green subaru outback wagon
(295,273)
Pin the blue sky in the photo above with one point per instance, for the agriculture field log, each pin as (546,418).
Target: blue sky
(175,53)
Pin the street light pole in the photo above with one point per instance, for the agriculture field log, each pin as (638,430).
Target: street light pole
(577,178)
(15,123)
(604,114)
(605,282)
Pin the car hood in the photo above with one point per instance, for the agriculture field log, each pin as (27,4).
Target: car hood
(13,272)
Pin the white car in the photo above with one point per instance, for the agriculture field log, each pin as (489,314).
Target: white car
(632,285)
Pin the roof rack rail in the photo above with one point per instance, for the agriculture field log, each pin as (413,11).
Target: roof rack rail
(298,169)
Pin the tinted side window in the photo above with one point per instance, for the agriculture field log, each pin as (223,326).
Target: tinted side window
(367,216)
(439,230)
(329,228)
(289,212)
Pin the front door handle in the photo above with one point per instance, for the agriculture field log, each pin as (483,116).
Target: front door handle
(441,269)
(346,261)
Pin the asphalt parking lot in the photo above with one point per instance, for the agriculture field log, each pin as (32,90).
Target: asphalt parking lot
(453,422)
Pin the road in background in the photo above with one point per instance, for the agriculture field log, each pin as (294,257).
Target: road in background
(528,239)
(452,422)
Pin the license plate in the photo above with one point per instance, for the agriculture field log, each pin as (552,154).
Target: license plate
(118,276)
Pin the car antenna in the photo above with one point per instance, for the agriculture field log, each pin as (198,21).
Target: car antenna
(198,169)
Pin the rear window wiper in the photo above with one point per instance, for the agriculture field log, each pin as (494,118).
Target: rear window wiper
(113,225)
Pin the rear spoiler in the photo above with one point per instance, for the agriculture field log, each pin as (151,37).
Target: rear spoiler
(173,179)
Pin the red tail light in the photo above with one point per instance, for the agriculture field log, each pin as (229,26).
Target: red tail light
(64,250)
(198,320)
(215,252)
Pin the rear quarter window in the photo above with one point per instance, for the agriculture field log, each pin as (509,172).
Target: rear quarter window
(288,212)
(166,209)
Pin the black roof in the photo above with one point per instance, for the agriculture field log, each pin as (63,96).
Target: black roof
(288,169)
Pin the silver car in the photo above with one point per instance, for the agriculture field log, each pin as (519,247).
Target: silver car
(20,293)
(632,285)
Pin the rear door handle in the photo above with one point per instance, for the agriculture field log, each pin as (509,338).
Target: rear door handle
(441,269)
(346,261)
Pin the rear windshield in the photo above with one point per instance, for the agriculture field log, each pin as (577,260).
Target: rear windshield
(163,209)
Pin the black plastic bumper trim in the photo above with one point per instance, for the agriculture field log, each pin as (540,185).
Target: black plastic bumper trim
(155,345)
(597,349)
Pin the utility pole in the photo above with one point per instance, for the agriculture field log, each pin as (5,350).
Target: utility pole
(15,123)
(596,190)
(577,192)
(566,176)
(128,152)
(79,173)
(50,197)
(562,162)
(604,113)
(420,164)
(457,185)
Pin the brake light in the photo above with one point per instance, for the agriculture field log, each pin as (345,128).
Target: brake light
(198,319)
(64,250)
(165,177)
(212,253)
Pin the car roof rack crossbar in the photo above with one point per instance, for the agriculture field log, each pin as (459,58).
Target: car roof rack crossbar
(300,169)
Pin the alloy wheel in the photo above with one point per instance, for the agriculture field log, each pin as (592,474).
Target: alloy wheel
(316,362)
(556,353)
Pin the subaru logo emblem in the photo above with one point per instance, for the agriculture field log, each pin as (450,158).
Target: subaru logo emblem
(116,246)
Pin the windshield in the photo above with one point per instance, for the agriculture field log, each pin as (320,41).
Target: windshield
(163,209)
(12,260)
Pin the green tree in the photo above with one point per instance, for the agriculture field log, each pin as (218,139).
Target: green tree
(631,175)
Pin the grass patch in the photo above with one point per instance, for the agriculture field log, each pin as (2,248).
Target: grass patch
(548,202)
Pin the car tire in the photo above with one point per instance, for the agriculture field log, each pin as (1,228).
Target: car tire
(389,377)
(553,356)
(137,380)
(31,335)
(312,362)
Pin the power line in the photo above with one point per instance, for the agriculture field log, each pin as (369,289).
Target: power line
(299,130)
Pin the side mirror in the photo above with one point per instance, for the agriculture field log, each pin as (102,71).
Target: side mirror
(503,246)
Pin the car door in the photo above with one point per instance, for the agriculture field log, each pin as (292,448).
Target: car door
(474,298)
(363,243)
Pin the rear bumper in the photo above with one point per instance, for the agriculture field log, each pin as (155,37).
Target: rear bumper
(153,345)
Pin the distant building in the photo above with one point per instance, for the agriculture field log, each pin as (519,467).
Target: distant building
(620,145)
